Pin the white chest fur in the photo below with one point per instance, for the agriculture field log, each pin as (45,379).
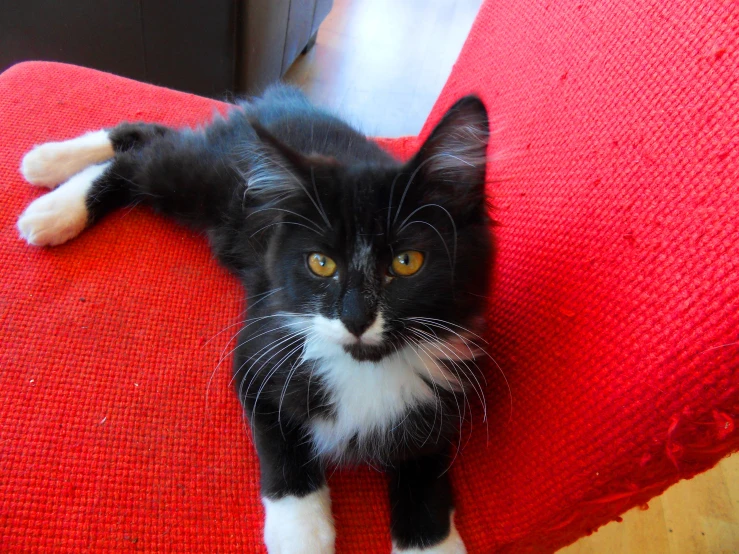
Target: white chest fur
(370,398)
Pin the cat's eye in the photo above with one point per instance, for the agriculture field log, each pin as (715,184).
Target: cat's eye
(321,265)
(407,263)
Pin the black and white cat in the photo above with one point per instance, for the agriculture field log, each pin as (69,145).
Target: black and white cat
(363,277)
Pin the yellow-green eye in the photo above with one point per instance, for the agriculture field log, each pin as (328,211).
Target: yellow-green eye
(407,263)
(321,265)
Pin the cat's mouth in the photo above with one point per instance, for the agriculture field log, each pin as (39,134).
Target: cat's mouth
(363,352)
(372,346)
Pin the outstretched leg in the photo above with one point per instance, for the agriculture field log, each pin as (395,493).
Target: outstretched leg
(50,164)
(183,174)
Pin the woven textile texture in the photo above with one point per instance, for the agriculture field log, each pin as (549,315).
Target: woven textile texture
(614,316)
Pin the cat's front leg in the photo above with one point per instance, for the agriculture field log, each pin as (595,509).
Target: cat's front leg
(422,509)
(295,496)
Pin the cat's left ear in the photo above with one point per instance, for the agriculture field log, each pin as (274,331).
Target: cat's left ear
(301,163)
(277,171)
(453,160)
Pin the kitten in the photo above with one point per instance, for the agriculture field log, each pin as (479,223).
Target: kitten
(362,274)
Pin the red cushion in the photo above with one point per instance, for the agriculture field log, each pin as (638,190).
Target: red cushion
(615,311)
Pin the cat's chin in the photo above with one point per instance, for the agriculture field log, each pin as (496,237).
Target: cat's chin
(367,352)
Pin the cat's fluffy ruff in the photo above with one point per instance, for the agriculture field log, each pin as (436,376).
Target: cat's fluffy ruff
(280,179)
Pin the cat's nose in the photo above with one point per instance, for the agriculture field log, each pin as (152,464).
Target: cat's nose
(356,327)
(356,315)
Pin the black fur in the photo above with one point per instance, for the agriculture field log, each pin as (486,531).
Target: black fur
(420,497)
(279,179)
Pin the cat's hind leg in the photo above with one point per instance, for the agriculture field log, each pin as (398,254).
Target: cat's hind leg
(52,163)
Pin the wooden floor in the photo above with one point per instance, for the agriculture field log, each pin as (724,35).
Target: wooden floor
(700,516)
(382,64)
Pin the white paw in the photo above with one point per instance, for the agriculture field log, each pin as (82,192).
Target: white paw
(302,525)
(451,545)
(54,162)
(61,214)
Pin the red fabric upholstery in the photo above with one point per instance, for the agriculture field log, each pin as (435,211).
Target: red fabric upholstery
(615,313)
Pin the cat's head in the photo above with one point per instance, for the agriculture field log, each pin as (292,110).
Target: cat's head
(372,256)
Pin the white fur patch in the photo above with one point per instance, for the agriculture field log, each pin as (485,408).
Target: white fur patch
(61,214)
(363,260)
(373,335)
(54,162)
(332,330)
(304,525)
(368,397)
(451,545)
(335,331)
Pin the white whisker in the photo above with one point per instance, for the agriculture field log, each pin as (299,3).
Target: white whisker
(432,321)
(446,247)
(316,227)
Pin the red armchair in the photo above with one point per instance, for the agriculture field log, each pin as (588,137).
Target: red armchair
(615,312)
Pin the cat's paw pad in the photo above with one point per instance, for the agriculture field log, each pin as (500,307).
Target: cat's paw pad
(453,544)
(61,214)
(302,525)
(52,163)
